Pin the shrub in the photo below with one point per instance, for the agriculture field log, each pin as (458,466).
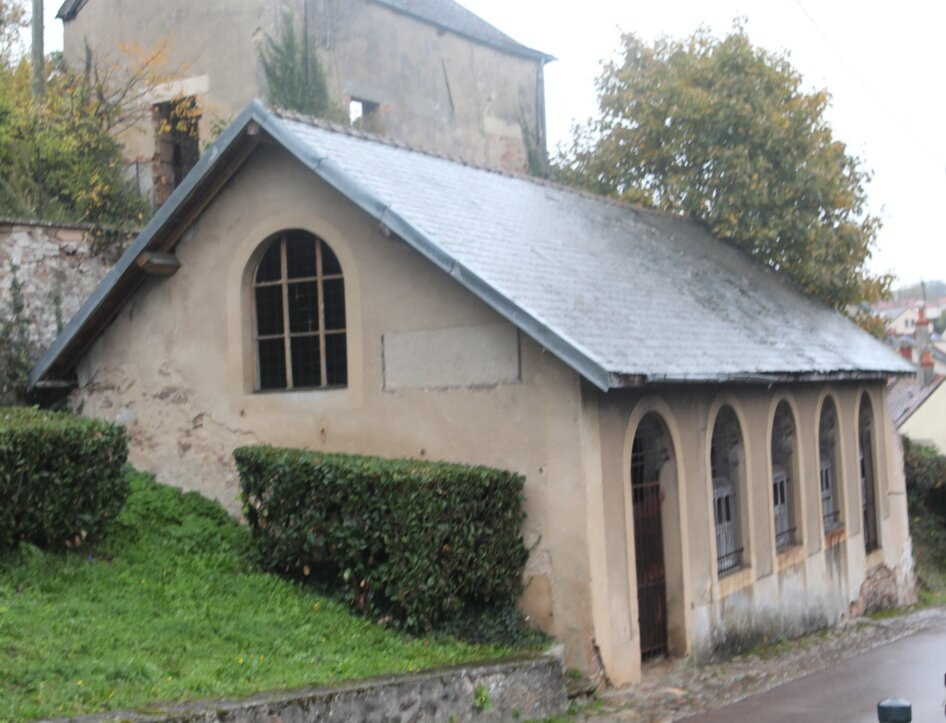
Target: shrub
(416,543)
(926,477)
(62,478)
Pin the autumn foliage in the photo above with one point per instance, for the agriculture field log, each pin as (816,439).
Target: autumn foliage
(722,131)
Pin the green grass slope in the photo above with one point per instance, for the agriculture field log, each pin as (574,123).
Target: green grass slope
(170,608)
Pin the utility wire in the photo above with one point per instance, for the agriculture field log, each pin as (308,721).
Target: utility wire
(890,115)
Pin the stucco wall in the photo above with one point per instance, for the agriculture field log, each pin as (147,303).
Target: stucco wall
(814,583)
(56,268)
(177,368)
(928,423)
(437,90)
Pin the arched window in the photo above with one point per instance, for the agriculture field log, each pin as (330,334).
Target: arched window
(726,455)
(783,465)
(865,425)
(299,325)
(828,453)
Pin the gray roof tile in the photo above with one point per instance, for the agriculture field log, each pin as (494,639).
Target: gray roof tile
(452,16)
(644,293)
(623,295)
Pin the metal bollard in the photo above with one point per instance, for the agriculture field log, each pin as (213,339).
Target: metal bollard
(894,710)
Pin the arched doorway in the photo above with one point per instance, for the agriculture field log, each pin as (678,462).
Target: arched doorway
(651,452)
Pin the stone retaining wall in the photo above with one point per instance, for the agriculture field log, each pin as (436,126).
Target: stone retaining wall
(56,268)
(525,689)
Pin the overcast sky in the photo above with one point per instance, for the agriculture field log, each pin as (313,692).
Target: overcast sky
(881,61)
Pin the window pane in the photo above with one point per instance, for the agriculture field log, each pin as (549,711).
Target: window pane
(306,367)
(300,255)
(269,310)
(272,364)
(330,265)
(336,359)
(303,307)
(334,300)
(270,268)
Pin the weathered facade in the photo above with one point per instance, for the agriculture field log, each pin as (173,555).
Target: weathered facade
(675,505)
(430,74)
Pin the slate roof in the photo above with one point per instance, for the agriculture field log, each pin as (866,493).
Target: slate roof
(68,10)
(623,295)
(445,14)
(905,396)
(452,16)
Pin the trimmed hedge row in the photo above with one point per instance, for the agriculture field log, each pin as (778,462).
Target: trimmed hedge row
(416,543)
(62,478)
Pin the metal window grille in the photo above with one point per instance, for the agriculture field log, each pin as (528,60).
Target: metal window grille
(299,325)
(868,497)
(649,454)
(827,443)
(783,432)
(725,458)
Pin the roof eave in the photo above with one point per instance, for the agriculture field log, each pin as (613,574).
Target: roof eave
(71,343)
(630,380)
(518,49)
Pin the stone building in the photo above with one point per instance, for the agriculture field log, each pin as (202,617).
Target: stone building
(426,72)
(706,451)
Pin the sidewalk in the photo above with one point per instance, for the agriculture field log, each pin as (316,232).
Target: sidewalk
(673,690)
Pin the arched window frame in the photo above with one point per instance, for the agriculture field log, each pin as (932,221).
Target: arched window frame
(784,453)
(299,316)
(727,455)
(829,471)
(867,468)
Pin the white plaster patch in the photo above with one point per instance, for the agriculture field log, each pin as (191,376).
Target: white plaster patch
(469,356)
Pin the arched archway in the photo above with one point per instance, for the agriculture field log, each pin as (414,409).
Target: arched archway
(653,467)
(865,425)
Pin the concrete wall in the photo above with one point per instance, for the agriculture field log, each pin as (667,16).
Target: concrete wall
(437,90)
(56,267)
(177,367)
(928,423)
(816,582)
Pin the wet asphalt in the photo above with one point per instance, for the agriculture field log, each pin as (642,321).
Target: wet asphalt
(913,668)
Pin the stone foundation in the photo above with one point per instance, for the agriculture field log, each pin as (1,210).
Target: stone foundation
(527,689)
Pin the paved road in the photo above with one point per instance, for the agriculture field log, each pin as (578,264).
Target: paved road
(911,668)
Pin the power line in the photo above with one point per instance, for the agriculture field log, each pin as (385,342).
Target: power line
(889,114)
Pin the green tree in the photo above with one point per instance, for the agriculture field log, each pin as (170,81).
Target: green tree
(12,21)
(294,74)
(722,131)
(58,160)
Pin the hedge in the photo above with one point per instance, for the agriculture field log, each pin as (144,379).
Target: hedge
(415,543)
(62,478)
(926,476)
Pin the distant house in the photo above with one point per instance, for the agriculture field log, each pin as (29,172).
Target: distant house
(707,455)
(918,405)
(426,72)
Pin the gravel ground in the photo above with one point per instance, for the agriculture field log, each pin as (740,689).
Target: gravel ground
(674,689)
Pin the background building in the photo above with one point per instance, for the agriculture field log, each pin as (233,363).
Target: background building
(426,72)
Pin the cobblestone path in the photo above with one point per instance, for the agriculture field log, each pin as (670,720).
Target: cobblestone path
(673,690)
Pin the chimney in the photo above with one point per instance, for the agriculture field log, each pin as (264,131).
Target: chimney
(906,351)
(927,371)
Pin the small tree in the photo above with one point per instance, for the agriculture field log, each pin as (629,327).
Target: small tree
(294,74)
(721,131)
(18,352)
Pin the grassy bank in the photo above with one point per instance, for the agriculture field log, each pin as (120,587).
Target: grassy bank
(169,608)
